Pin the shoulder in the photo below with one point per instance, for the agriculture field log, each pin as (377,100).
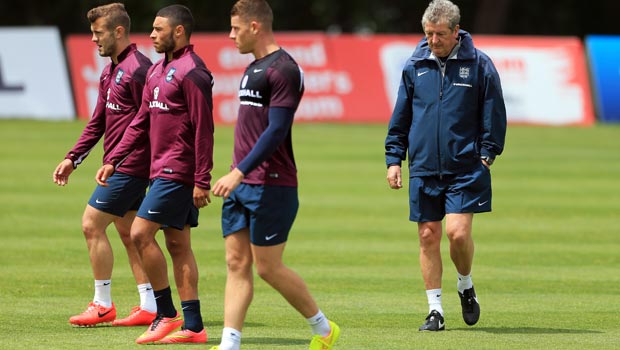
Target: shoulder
(105,73)
(284,66)
(197,71)
(288,62)
(191,61)
(152,69)
(192,70)
(142,60)
(188,63)
(421,51)
(485,63)
(482,56)
(136,65)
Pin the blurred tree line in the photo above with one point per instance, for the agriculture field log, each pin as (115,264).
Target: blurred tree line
(512,17)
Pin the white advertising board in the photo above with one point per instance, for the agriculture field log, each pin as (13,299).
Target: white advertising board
(544,79)
(34,82)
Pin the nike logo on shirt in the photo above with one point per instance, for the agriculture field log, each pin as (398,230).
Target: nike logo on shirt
(153,212)
(100,202)
(422,73)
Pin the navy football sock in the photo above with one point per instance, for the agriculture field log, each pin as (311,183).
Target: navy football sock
(191,314)
(163,298)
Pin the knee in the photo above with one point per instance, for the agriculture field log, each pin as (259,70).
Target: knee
(429,236)
(125,236)
(266,271)
(175,247)
(90,230)
(138,239)
(237,263)
(458,236)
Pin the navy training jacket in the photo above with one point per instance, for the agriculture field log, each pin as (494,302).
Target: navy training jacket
(447,123)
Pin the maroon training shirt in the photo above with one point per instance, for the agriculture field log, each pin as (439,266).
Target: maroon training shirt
(176,113)
(120,94)
(272,81)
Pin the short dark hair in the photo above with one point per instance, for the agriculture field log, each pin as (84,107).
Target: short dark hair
(249,10)
(179,15)
(115,14)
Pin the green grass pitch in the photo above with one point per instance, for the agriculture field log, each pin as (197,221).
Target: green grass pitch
(547,265)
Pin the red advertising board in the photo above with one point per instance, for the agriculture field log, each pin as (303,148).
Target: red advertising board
(340,85)
(351,78)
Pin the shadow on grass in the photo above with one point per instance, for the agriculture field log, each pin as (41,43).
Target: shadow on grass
(265,341)
(220,324)
(526,330)
(276,341)
(211,326)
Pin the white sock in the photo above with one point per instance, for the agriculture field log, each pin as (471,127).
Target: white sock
(231,339)
(103,295)
(464,282)
(434,300)
(147,298)
(319,324)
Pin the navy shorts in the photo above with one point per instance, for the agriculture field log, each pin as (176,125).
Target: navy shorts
(124,193)
(170,204)
(431,197)
(268,211)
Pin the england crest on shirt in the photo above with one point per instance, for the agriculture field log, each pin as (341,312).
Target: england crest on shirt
(170,74)
(464,72)
(119,76)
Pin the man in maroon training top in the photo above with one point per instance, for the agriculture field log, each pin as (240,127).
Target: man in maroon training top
(260,191)
(120,94)
(176,117)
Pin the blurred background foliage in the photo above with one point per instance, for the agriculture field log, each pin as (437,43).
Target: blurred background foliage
(506,17)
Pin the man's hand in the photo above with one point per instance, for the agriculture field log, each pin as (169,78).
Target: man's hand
(62,172)
(394,178)
(103,174)
(227,183)
(201,197)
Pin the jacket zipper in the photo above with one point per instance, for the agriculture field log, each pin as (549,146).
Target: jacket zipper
(439,118)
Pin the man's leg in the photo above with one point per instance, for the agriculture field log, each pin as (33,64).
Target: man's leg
(239,287)
(430,255)
(101,310)
(269,266)
(239,279)
(459,232)
(94,224)
(123,226)
(291,286)
(430,234)
(178,243)
(146,312)
(154,262)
